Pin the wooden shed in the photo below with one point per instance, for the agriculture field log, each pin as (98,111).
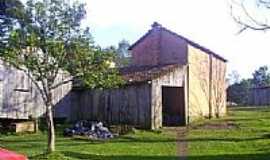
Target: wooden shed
(259,96)
(139,102)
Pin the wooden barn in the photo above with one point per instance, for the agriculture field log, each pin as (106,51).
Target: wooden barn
(259,96)
(20,100)
(171,81)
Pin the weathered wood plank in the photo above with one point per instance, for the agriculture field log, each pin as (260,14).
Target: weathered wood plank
(20,98)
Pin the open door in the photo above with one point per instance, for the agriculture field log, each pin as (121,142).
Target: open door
(173,106)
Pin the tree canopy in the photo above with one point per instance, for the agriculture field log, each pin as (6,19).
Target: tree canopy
(261,77)
(48,41)
(11,14)
(238,92)
(122,54)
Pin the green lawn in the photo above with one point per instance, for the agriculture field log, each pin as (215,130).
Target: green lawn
(135,146)
(244,134)
(246,137)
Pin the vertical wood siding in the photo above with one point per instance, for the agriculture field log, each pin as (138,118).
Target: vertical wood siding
(130,104)
(175,78)
(19,97)
(218,87)
(207,85)
(259,96)
(199,64)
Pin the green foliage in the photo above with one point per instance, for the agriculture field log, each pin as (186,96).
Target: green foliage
(234,77)
(53,41)
(261,77)
(123,61)
(121,53)
(11,14)
(50,41)
(239,92)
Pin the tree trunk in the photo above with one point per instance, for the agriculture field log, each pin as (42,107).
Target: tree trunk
(50,124)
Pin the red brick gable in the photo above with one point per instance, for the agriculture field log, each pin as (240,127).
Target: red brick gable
(147,50)
(160,46)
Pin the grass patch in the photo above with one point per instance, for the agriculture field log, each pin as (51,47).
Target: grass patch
(134,146)
(243,135)
(247,137)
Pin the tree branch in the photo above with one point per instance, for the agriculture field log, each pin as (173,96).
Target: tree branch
(254,23)
(61,83)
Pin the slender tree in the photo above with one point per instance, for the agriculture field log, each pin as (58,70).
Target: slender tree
(52,41)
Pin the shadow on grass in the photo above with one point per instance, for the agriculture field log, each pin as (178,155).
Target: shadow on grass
(251,108)
(75,155)
(149,140)
(129,140)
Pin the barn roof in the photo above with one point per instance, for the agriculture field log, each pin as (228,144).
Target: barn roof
(192,43)
(133,74)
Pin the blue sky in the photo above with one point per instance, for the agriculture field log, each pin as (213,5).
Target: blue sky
(207,22)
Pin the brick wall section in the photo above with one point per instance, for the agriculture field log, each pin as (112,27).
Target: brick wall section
(173,49)
(146,52)
(160,47)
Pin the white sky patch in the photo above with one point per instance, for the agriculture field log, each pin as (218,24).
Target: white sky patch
(207,22)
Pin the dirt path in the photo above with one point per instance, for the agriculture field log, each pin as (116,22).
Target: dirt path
(181,141)
(182,144)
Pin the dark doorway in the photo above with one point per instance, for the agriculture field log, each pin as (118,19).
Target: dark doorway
(173,106)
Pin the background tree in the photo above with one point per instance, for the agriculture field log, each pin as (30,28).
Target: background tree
(51,42)
(251,14)
(123,47)
(122,54)
(261,77)
(11,14)
(239,92)
(234,77)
